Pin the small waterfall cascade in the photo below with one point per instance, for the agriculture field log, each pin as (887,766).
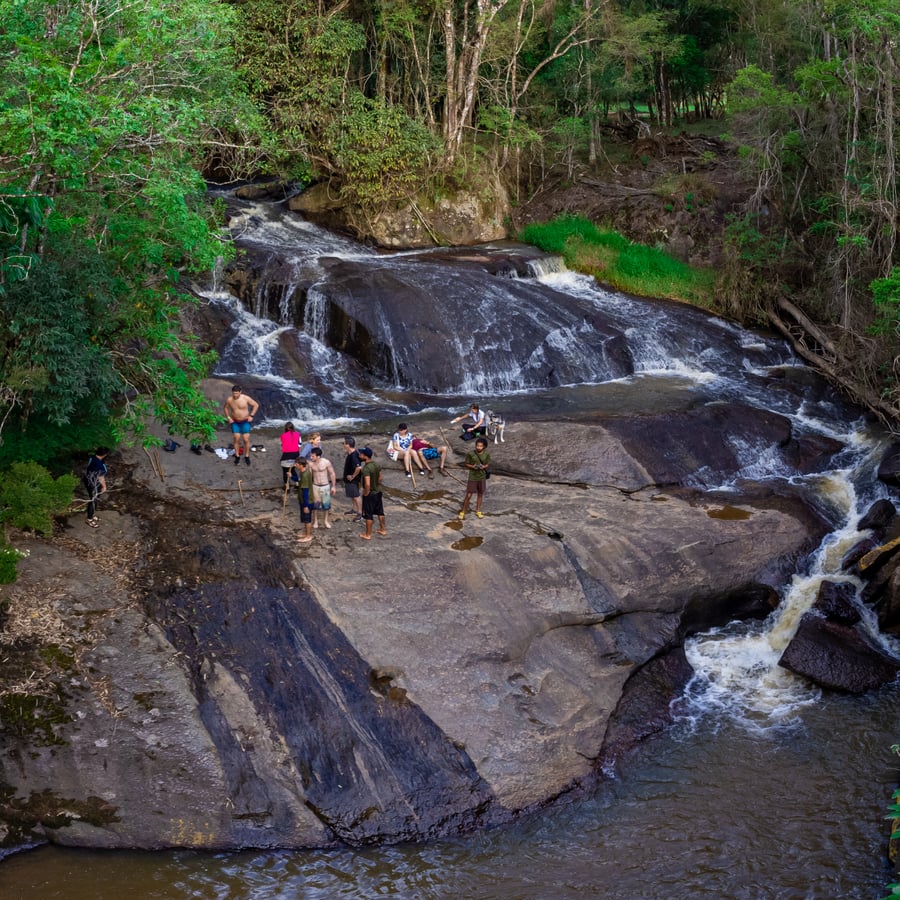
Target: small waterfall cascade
(546,265)
(737,676)
(315,319)
(547,329)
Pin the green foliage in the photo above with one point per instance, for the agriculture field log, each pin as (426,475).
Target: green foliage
(619,262)
(30,496)
(754,91)
(383,153)
(104,121)
(886,297)
(9,563)
(295,58)
(755,247)
(556,235)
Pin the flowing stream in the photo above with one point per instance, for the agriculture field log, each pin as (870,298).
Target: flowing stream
(766,787)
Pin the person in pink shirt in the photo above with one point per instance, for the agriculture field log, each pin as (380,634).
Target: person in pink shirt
(290,449)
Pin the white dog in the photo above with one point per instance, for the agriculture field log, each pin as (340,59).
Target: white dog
(495,425)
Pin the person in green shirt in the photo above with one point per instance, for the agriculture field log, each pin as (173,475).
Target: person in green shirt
(371,493)
(304,479)
(477,462)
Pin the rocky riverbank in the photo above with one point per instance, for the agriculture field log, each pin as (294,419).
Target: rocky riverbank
(195,677)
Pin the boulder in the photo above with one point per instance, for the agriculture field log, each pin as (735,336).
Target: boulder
(878,516)
(889,468)
(466,217)
(882,593)
(835,602)
(646,705)
(838,656)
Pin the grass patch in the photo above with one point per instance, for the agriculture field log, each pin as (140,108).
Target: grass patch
(623,264)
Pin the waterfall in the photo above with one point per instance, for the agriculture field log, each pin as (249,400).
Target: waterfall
(315,314)
(546,265)
(737,676)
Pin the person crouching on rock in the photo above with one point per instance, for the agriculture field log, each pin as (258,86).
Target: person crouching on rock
(474,426)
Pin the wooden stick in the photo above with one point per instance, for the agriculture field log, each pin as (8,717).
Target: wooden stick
(159,467)
(241,492)
(154,464)
(287,487)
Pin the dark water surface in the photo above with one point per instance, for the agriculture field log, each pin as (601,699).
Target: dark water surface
(710,810)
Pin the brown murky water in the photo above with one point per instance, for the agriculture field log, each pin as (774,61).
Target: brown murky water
(713,809)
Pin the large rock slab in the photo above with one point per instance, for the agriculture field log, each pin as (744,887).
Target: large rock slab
(232,688)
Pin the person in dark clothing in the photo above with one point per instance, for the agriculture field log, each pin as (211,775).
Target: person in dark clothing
(352,476)
(373,502)
(94,481)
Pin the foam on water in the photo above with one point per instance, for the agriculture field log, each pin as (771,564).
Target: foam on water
(737,675)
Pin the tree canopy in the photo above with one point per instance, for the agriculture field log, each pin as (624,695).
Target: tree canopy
(107,111)
(111,110)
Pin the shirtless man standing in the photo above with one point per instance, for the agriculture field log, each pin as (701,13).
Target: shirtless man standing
(240,410)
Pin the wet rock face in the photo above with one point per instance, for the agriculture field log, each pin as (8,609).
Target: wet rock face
(645,706)
(837,656)
(231,688)
(889,469)
(363,758)
(380,316)
(705,445)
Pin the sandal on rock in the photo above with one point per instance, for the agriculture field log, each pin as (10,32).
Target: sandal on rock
(94,523)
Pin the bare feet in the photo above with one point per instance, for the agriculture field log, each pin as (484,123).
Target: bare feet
(315,524)
(382,533)
(366,537)
(304,540)
(328,525)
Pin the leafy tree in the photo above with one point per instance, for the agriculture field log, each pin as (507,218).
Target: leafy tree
(30,496)
(107,111)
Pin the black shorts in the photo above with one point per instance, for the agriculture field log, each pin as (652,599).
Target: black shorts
(373,506)
(475,487)
(351,489)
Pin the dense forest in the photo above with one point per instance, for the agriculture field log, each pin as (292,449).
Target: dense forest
(113,114)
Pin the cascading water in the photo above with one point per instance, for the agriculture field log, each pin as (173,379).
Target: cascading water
(504,335)
(737,676)
(761,760)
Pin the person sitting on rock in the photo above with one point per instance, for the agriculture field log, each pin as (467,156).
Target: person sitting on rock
(401,447)
(315,439)
(473,428)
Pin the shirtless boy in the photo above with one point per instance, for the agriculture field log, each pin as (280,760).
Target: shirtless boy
(240,410)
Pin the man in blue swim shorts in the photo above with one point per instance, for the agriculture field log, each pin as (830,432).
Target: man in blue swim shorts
(240,410)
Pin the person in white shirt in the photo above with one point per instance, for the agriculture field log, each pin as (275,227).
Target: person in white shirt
(402,448)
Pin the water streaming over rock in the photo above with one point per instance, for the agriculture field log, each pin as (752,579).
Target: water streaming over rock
(335,331)
(486,322)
